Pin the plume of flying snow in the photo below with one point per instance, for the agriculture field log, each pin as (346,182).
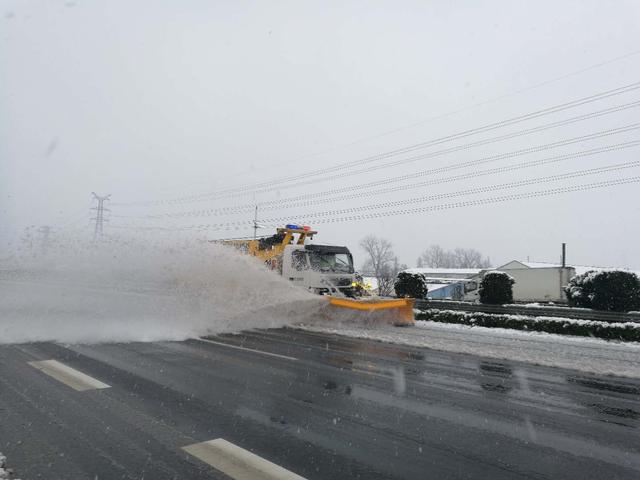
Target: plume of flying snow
(142,289)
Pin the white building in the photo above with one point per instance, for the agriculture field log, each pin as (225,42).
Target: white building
(534,281)
(537,281)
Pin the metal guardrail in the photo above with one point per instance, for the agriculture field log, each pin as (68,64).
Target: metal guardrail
(541,311)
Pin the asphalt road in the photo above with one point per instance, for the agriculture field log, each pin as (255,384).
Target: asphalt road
(321,406)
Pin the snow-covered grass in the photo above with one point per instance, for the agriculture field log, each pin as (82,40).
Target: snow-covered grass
(628,331)
(590,355)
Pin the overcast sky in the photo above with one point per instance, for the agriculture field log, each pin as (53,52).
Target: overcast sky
(160,100)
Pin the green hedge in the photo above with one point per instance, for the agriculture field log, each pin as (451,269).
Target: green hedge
(412,285)
(496,288)
(609,290)
(585,328)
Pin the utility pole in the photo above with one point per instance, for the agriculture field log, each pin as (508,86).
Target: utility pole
(99,218)
(255,223)
(564,273)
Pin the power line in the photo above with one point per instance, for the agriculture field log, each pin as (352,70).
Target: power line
(509,185)
(460,110)
(491,140)
(372,168)
(432,171)
(440,207)
(404,150)
(317,197)
(283,203)
(485,201)
(471,191)
(456,136)
(325,216)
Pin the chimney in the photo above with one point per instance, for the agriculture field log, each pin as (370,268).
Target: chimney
(564,255)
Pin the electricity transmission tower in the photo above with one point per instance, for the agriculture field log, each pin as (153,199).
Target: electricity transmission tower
(99,218)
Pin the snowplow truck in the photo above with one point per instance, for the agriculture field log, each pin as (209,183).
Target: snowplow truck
(322,269)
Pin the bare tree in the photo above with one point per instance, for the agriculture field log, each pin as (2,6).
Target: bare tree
(436,257)
(470,258)
(381,262)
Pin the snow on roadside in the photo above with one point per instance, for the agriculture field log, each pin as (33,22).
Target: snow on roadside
(588,355)
(537,318)
(5,473)
(625,331)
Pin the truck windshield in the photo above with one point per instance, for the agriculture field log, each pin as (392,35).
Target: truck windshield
(331,262)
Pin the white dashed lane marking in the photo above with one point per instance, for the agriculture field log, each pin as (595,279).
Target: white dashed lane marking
(238,463)
(206,340)
(69,376)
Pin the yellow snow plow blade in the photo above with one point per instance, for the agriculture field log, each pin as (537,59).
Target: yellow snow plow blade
(397,312)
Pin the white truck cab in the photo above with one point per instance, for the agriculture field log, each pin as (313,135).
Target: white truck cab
(322,269)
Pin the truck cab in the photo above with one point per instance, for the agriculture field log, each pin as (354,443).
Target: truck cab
(322,269)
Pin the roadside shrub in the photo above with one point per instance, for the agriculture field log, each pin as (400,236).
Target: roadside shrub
(496,288)
(413,285)
(628,331)
(609,290)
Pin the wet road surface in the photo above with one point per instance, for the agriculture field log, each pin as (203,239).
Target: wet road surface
(317,405)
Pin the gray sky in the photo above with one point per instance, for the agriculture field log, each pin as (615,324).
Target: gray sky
(153,100)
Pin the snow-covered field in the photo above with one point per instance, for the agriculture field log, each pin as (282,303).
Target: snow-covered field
(579,353)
